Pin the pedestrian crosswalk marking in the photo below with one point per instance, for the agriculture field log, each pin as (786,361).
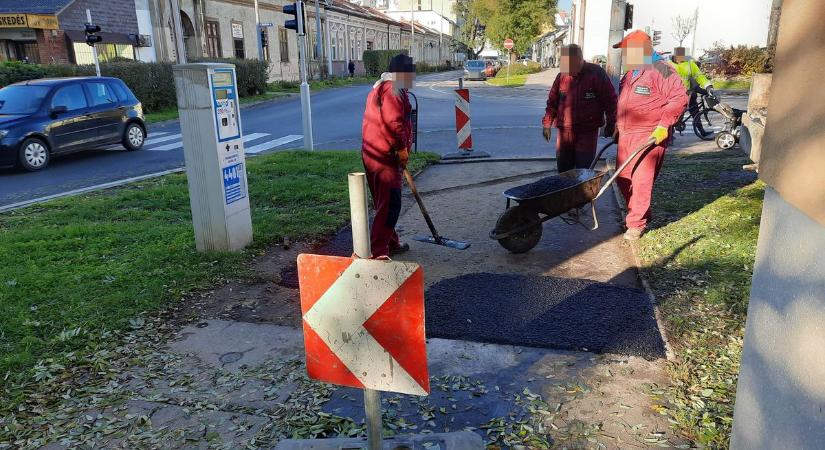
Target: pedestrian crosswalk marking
(162,139)
(258,148)
(273,143)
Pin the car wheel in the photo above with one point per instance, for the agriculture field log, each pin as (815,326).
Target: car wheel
(133,137)
(33,155)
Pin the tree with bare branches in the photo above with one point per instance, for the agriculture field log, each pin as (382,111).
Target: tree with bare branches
(682,27)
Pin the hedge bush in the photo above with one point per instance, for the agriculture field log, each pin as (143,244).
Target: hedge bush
(376,62)
(736,61)
(152,83)
(518,68)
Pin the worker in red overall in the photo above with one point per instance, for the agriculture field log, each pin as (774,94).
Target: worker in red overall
(580,100)
(387,137)
(651,99)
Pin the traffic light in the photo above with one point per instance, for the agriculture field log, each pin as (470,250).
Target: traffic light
(657,37)
(91,37)
(296,10)
(628,16)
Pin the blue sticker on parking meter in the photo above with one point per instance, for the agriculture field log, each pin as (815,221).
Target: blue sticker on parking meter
(233,183)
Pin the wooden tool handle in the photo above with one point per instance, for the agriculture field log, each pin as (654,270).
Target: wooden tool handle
(411,184)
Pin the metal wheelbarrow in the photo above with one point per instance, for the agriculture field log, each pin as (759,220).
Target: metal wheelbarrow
(519,227)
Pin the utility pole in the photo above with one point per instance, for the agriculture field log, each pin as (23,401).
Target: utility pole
(318,32)
(617,27)
(179,48)
(412,30)
(773,27)
(440,33)
(258,29)
(695,27)
(329,40)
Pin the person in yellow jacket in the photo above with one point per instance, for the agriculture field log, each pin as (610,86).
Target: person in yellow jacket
(692,77)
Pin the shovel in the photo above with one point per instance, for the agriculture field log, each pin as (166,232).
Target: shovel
(435,238)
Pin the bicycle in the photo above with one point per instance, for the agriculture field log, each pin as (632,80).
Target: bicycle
(706,121)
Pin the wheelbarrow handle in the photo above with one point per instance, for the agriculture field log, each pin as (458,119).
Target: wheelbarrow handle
(599,155)
(649,143)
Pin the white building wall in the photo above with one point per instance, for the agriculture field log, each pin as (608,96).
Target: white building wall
(144,19)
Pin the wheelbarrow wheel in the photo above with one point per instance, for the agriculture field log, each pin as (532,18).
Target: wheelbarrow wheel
(515,218)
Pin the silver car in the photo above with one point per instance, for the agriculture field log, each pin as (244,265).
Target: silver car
(475,69)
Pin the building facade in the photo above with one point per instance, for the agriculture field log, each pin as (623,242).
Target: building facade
(52,31)
(227,29)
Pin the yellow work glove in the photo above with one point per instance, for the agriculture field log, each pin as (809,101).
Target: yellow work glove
(403,157)
(659,134)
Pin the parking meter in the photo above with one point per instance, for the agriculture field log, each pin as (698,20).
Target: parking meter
(213,148)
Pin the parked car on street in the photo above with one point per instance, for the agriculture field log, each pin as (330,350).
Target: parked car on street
(475,69)
(45,117)
(491,69)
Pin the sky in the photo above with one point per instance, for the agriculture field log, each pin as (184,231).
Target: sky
(731,22)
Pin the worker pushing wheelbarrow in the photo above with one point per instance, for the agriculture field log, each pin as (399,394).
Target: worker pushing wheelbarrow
(519,228)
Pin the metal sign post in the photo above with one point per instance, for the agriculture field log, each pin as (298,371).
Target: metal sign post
(94,49)
(363,319)
(306,106)
(508,44)
(360,219)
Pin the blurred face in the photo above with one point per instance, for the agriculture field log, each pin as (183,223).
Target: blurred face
(679,54)
(403,80)
(637,55)
(571,63)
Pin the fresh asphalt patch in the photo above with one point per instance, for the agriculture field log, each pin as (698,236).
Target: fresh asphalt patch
(540,311)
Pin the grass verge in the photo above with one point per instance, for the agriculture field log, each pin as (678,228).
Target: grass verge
(699,260)
(503,81)
(732,84)
(91,263)
(276,89)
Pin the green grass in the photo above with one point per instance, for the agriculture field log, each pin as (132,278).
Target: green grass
(76,266)
(699,260)
(733,84)
(502,80)
(276,89)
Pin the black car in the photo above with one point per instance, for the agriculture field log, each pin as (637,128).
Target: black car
(41,118)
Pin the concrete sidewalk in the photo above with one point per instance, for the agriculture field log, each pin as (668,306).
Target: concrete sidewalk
(541,80)
(233,375)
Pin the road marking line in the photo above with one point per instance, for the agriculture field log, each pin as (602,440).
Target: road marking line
(273,143)
(162,139)
(179,144)
(96,187)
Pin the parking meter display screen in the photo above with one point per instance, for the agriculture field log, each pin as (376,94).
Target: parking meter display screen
(221,79)
(220,94)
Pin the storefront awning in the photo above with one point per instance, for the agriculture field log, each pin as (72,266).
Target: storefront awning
(108,38)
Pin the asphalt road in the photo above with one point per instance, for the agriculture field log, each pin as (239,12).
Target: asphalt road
(505,122)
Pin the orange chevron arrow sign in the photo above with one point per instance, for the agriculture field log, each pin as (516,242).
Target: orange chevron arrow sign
(363,323)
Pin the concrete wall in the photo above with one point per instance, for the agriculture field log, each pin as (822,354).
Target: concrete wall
(780,401)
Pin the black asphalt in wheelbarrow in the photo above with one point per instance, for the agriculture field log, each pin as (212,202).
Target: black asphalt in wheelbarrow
(548,312)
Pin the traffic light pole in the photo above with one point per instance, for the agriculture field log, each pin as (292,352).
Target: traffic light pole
(94,49)
(306,107)
(614,55)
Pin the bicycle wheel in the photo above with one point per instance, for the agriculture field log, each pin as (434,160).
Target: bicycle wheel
(707,123)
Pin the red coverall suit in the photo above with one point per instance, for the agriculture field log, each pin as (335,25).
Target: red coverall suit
(577,106)
(654,97)
(386,129)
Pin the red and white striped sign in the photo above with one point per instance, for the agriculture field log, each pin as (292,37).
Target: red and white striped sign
(364,323)
(508,44)
(462,119)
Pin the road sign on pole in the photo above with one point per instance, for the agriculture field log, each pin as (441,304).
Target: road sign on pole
(364,323)
(508,44)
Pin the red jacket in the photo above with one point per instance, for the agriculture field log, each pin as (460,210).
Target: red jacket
(581,101)
(387,127)
(655,96)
